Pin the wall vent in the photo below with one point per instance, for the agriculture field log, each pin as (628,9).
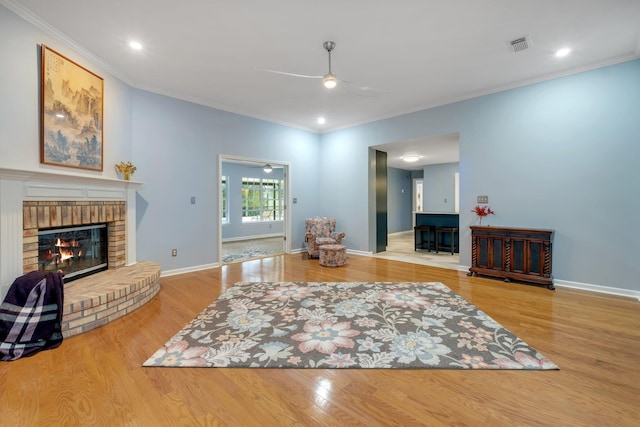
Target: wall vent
(520,44)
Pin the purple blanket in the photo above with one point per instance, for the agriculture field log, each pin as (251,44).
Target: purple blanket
(31,315)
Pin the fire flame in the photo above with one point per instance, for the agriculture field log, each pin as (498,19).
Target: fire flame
(66,249)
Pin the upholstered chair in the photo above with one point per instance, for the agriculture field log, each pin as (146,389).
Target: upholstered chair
(321,231)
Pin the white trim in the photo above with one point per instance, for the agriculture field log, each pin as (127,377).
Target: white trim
(44,26)
(359,253)
(39,23)
(598,288)
(287,197)
(478,94)
(629,293)
(184,270)
(561,283)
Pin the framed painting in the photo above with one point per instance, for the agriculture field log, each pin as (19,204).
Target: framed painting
(71,119)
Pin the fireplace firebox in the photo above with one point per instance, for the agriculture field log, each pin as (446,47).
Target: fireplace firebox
(75,251)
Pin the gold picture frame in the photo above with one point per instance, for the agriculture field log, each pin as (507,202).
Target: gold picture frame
(71,113)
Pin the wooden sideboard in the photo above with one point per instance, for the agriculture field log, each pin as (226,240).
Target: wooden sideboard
(512,253)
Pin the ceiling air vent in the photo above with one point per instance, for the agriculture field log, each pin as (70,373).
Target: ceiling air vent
(520,44)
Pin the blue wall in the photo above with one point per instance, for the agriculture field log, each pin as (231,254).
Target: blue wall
(439,187)
(399,207)
(176,146)
(562,154)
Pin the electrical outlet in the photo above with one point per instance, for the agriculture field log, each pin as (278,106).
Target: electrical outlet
(483,199)
(174,252)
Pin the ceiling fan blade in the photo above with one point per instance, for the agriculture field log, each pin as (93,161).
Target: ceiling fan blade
(306,76)
(360,90)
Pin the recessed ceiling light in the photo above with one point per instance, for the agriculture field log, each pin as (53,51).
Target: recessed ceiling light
(135,45)
(322,120)
(411,158)
(563,52)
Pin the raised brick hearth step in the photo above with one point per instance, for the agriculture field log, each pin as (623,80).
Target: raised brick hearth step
(101,298)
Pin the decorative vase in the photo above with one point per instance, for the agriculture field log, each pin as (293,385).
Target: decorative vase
(126,175)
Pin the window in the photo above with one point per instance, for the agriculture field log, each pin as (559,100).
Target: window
(225,201)
(262,199)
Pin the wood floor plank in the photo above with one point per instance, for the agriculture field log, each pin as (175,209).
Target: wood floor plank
(97,379)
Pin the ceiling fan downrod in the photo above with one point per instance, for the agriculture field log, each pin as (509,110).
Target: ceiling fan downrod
(329,80)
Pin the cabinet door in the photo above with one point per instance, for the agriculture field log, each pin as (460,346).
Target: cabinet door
(519,261)
(535,255)
(490,252)
(527,257)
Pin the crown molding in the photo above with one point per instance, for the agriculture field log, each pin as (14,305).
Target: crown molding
(45,27)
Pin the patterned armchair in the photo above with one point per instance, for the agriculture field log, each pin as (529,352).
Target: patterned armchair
(321,231)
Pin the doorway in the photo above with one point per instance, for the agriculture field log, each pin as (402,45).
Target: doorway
(436,158)
(253,219)
(418,195)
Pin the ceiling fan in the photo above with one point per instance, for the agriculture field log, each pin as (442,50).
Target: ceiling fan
(330,80)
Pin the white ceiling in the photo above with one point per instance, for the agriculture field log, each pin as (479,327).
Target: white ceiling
(431,149)
(423,53)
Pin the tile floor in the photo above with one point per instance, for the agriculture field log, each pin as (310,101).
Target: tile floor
(400,248)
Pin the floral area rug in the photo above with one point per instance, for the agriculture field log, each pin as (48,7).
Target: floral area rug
(345,325)
(244,256)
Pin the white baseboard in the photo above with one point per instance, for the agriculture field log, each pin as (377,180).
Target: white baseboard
(588,287)
(561,283)
(188,269)
(359,253)
(598,288)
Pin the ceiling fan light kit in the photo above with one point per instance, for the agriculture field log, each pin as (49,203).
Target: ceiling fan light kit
(329,81)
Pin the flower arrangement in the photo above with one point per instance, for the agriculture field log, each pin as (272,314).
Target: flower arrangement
(482,211)
(126,169)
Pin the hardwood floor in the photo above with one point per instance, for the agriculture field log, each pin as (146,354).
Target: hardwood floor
(96,379)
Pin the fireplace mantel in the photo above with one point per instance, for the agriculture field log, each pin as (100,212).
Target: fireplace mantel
(18,186)
(52,176)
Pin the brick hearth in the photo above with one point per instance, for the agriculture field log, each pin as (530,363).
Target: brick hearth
(101,298)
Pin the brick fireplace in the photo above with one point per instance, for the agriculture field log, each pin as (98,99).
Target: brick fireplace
(31,200)
(46,214)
